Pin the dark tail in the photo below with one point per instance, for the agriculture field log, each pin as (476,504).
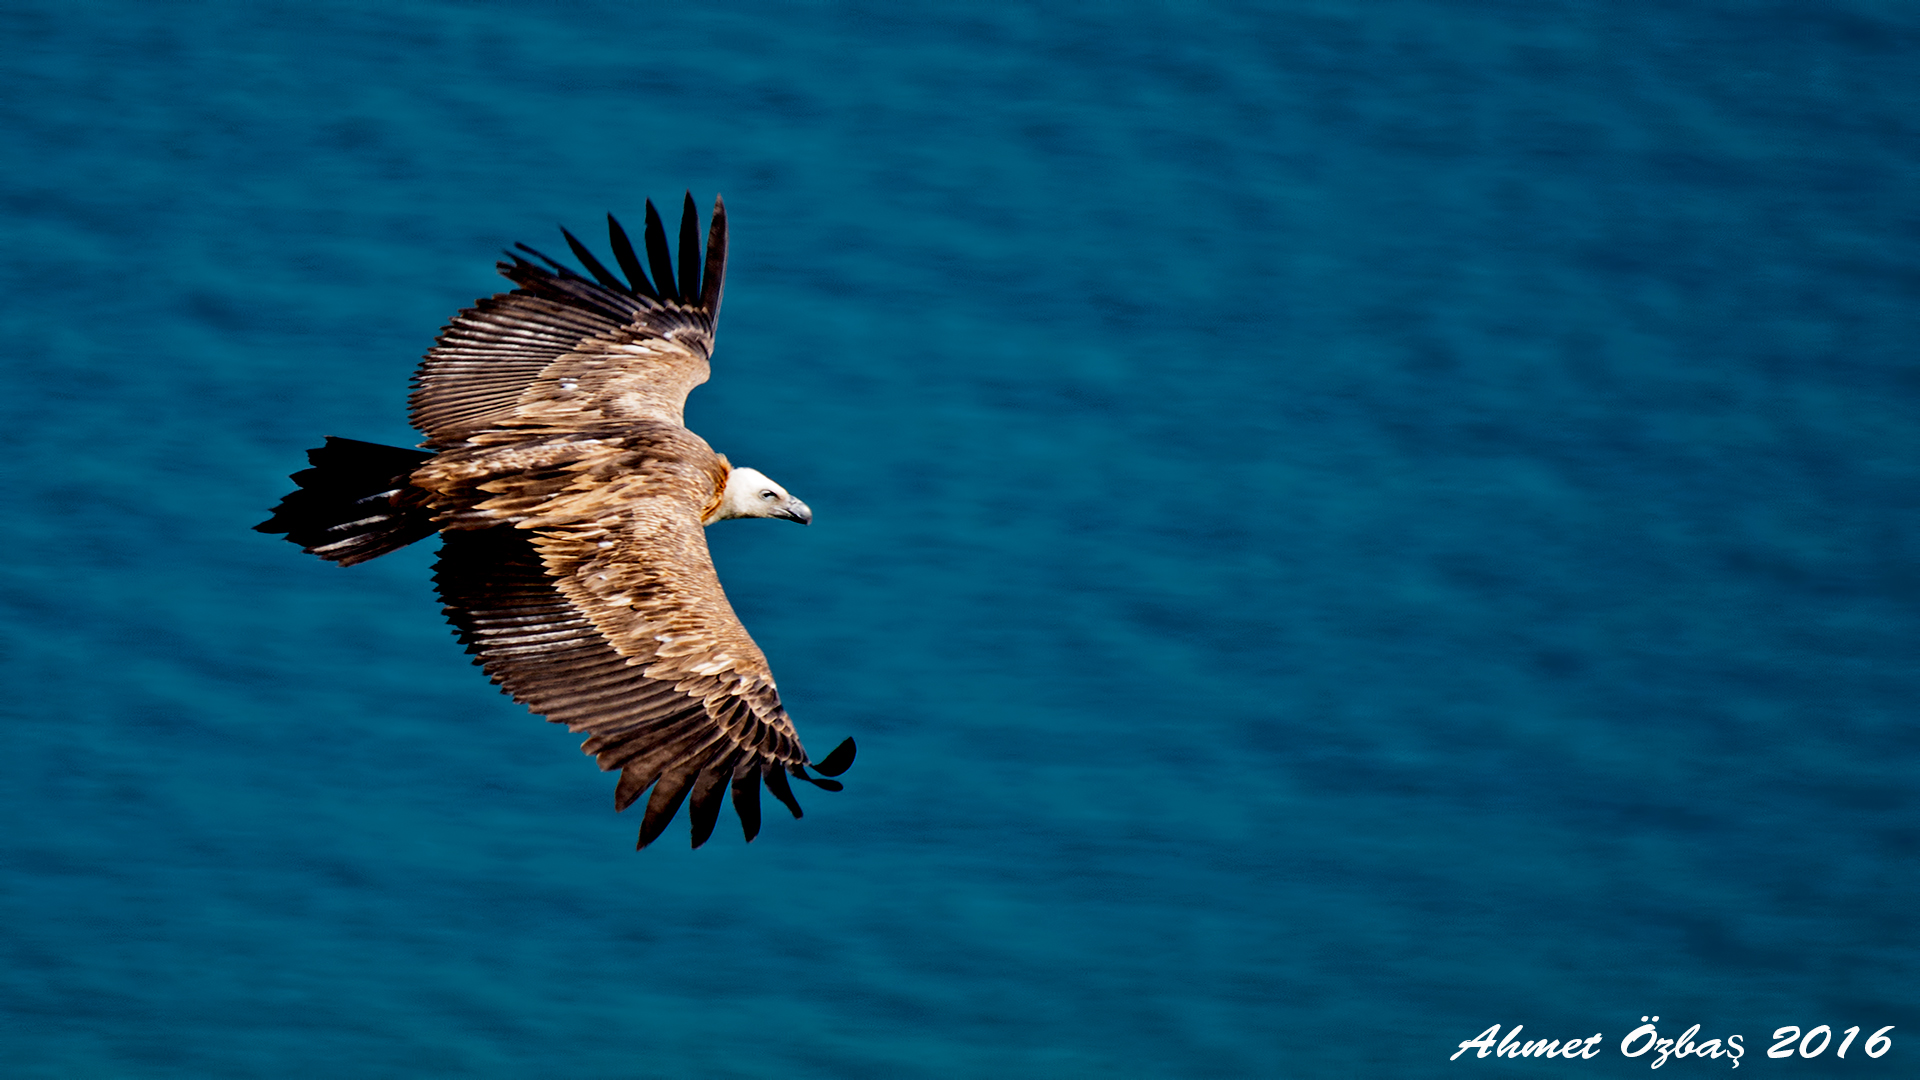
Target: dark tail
(355,503)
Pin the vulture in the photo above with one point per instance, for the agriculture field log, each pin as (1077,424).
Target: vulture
(572,503)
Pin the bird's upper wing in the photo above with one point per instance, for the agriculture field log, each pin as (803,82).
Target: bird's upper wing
(563,348)
(619,629)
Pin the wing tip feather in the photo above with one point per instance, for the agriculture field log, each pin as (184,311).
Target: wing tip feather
(713,277)
(837,762)
(600,273)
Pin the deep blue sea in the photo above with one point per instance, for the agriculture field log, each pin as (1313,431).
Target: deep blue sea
(1337,526)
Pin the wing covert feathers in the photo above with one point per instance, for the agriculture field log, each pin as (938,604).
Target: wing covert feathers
(565,348)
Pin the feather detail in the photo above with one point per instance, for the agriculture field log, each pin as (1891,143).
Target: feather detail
(629,263)
(714,277)
(600,273)
(657,257)
(689,249)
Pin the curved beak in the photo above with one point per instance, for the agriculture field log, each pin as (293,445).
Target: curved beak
(797,511)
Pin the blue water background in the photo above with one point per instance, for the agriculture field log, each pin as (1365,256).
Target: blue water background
(1337,526)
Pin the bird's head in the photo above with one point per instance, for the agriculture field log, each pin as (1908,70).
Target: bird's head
(749,494)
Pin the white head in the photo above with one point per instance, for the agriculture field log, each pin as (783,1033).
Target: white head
(749,494)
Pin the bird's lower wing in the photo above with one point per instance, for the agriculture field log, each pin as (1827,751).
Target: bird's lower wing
(687,736)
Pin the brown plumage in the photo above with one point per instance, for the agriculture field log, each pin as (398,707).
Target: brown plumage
(573,505)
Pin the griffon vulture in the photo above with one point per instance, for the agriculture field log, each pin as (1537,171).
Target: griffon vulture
(573,502)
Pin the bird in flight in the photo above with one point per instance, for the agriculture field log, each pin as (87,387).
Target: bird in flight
(572,503)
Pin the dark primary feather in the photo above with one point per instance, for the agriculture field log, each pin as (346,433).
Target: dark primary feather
(658,259)
(600,273)
(554,266)
(746,799)
(777,783)
(629,263)
(837,762)
(689,249)
(714,276)
(709,794)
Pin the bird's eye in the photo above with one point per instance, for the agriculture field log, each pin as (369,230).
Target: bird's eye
(768,495)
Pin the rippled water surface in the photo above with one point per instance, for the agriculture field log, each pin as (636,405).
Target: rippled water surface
(1337,526)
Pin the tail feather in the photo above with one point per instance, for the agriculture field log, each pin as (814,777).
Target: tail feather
(355,504)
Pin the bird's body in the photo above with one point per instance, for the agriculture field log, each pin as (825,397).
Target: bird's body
(573,503)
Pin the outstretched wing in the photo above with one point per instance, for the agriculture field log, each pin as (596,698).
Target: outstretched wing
(635,645)
(563,348)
